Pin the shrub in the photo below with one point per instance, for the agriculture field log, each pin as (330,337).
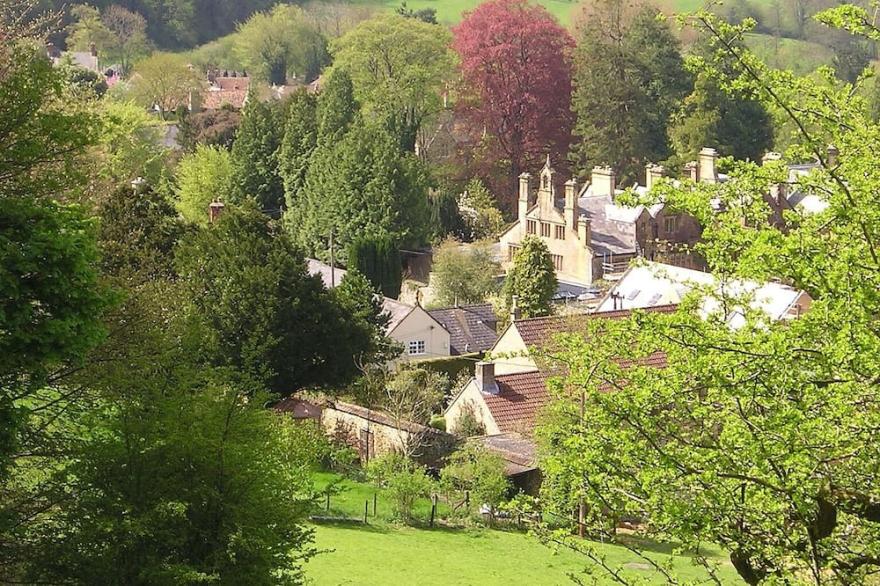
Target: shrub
(475,469)
(403,481)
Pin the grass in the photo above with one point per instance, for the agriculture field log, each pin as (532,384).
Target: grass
(802,57)
(382,553)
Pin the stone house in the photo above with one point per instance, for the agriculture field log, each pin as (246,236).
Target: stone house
(589,235)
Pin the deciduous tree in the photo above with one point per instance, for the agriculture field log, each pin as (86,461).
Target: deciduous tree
(464,273)
(164,81)
(202,177)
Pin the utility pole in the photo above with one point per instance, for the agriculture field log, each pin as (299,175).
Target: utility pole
(332,263)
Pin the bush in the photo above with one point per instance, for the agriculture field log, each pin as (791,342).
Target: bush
(404,482)
(478,471)
(438,422)
(467,424)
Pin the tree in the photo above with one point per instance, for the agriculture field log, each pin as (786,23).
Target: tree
(202,177)
(477,471)
(377,259)
(481,215)
(280,43)
(428,15)
(629,78)
(737,125)
(464,274)
(255,157)
(130,144)
(361,185)
(754,437)
(88,31)
(366,320)
(532,279)
(266,316)
(129,35)
(212,127)
(337,107)
(164,81)
(403,481)
(516,84)
(399,67)
(297,144)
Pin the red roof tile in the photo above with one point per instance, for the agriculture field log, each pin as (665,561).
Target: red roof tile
(520,398)
(216,99)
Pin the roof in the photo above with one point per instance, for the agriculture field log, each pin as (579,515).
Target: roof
(214,99)
(330,278)
(380,418)
(238,82)
(396,311)
(539,331)
(612,227)
(519,400)
(517,451)
(472,328)
(652,284)
(298,408)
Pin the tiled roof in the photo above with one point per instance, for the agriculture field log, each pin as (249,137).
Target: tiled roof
(396,311)
(215,99)
(471,327)
(381,418)
(539,331)
(519,399)
(233,83)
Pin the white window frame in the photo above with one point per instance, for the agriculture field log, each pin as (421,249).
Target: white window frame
(416,348)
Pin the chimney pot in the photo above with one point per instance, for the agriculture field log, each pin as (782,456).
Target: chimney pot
(603,181)
(484,373)
(515,312)
(215,210)
(707,158)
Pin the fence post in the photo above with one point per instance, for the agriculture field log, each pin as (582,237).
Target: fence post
(467,501)
(328,502)
(366,510)
(374,504)
(433,508)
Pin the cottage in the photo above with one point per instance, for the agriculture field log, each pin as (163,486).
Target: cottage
(472,328)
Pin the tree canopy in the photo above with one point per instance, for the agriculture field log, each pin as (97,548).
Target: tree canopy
(531,279)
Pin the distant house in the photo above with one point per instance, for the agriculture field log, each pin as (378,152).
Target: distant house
(789,195)
(651,284)
(472,328)
(591,236)
(225,89)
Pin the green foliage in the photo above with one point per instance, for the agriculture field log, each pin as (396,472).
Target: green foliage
(264,314)
(361,185)
(130,145)
(467,424)
(297,144)
(463,274)
(337,107)
(210,128)
(255,175)
(378,259)
(756,436)
(279,43)
(202,177)
(474,469)
(404,482)
(119,35)
(365,318)
(399,67)
(629,78)
(414,394)
(532,279)
(480,212)
(164,81)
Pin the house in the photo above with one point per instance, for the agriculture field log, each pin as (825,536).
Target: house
(472,328)
(790,195)
(651,284)
(374,433)
(507,394)
(225,88)
(589,235)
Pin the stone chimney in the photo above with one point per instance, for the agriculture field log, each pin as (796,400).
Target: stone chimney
(653,173)
(706,159)
(571,207)
(690,171)
(584,230)
(603,181)
(770,157)
(832,154)
(515,312)
(484,374)
(525,190)
(215,210)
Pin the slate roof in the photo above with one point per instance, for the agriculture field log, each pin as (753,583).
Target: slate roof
(472,328)
(298,408)
(316,267)
(517,451)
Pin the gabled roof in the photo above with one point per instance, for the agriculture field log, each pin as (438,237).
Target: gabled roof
(330,278)
(396,311)
(298,408)
(517,451)
(519,400)
(472,328)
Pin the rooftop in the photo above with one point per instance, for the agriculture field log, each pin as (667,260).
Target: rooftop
(517,451)
(520,398)
(472,328)
(329,278)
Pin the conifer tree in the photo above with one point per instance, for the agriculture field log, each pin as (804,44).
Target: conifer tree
(532,279)
(337,107)
(255,157)
(300,138)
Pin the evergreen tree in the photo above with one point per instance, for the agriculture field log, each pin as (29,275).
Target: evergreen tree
(361,184)
(377,259)
(629,78)
(532,279)
(255,157)
(337,107)
(300,139)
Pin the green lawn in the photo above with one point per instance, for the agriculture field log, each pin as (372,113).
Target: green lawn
(382,553)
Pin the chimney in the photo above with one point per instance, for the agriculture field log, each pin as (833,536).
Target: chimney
(215,210)
(603,181)
(93,49)
(515,312)
(546,191)
(525,189)
(570,211)
(707,172)
(770,157)
(833,154)
(584,230)
(690,171)
(484,374)
(653,173)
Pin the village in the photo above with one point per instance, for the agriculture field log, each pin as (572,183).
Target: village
(491,292)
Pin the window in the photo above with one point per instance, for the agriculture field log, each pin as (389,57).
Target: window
(560,232)
(531,228)
(670,224)
(416,347)
(511,251)
(557,261)
(545,229)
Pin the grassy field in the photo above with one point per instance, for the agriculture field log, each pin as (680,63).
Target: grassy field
(382,553)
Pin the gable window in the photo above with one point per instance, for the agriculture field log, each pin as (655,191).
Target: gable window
(560,232)
(545,229)
(670,224)
(531,228)
(557,261)
(416,347)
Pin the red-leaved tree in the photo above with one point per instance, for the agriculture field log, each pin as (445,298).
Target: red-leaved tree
(516,88)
